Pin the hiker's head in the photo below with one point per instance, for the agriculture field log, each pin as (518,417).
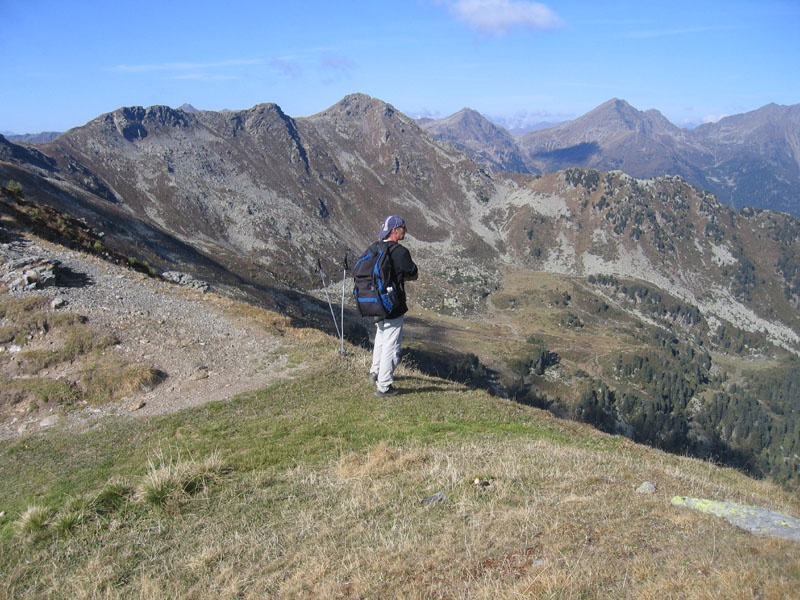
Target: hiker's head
(393,227)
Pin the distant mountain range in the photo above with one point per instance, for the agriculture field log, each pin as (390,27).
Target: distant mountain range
(45,136)
(520,125)
(261,196)
(752,159)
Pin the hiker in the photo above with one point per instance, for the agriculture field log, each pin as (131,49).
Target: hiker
(389,330)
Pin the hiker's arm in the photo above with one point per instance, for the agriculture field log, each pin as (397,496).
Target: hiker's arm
(405,268)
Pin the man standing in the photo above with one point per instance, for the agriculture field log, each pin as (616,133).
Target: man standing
(389,331)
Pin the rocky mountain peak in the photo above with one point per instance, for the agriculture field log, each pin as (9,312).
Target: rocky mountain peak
(466,123)
(617,117)
(259,118)
(357,105)
(481,139)
(135,122)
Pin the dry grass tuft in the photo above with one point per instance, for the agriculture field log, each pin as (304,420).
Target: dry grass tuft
(170,482)
(112,380)
(35,520)
(66,521)
(379,460)
(112,496)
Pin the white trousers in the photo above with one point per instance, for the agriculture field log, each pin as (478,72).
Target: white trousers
(386,353)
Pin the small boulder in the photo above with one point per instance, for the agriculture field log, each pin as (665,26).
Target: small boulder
(48,421)
(201,373)
(647,487)
(437,498)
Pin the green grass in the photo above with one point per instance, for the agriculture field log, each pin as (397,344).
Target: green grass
(294,421)
(41,389)
(78,340)
(28,316)
(313,488)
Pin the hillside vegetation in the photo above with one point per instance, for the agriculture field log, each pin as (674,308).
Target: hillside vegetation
(617,352)
(313,487)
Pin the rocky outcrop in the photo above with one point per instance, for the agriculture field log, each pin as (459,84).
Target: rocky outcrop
(755,519)
(30,273)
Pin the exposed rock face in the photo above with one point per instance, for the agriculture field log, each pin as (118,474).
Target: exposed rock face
(29,273)
(484,142)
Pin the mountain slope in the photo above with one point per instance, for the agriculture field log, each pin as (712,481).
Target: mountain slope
(253,186)
(756,156)
(750,159)
(314,487)
(483,141)
(255,198)
(45,136)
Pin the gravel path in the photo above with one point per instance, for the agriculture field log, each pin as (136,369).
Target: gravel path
(206,352)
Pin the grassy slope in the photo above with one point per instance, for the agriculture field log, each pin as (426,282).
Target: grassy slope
(324,500)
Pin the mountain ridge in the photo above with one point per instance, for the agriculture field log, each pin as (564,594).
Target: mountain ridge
(750,159)
(260,188)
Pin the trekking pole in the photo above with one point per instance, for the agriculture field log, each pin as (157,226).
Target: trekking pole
(324,287)
(344,276)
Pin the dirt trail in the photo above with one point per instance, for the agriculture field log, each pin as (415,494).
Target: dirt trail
(207,352)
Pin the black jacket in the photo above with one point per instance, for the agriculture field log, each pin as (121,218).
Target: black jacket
(402,268)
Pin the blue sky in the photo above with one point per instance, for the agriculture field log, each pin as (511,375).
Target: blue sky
(64,62)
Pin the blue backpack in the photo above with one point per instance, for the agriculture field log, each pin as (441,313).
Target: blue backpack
(375,290)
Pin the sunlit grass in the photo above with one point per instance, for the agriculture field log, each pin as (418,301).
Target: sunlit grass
(315,488)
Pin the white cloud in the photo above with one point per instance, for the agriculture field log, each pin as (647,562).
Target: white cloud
(424,113)
(713,118)
(496,17)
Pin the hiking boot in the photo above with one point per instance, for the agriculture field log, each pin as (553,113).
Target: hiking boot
(390,391)
(373,377)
